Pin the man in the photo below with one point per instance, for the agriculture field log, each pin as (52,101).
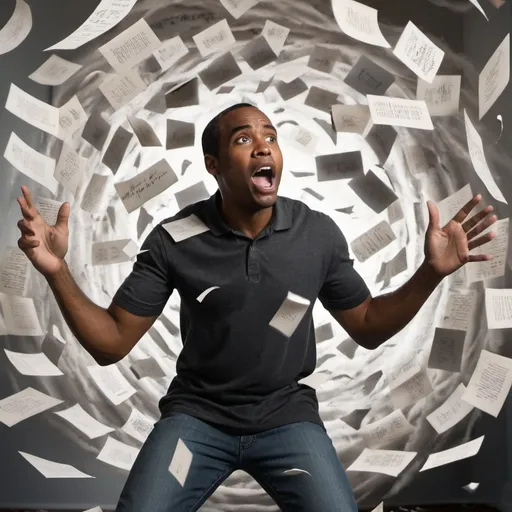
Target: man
(236,402)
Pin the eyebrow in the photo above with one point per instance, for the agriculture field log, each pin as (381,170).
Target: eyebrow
(245,126)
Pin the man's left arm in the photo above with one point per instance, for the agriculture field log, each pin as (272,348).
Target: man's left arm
(447,249)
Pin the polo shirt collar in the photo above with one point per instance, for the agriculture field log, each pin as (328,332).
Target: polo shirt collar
(281,215)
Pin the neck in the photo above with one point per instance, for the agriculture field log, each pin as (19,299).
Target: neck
(251,223)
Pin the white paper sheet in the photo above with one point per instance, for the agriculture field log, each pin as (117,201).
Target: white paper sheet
(181,462)
(130,47)
(403,371)
(170,52)
(72,117)
(111,252)
(188,227)
(144,132)
(25,404)
(497,247)
(216,38)
(459,308)
(399,112)
(50,469)
(94,194)
(258,53)
(17,28)
(494,77)
(146,185)
(446,351)
(323,59)
(479,7)
(498,308)
(114,155)
(112,383)
(14,271)
(238,8)
(31,163)
(373,241)
(48,208)
(120,90)
(32,364)
(70,169)
(411,391)
(460,452)
(451,412)
(20,316)
(138,425)
(477,155)
(367,77)
(315,380)
(54,71)
(379,508)
(96,131)
(490,383)
(220,71)
(107,15)
(387,430)
(351,118)
(203,295)
(419,53)
(359,21)
(95,509)
(388,462)
(33,111)
(193,194)
(84,422)
(289,315)
(442,95)
(118,454)
(471,487)
(275,34)
(451,205)
(304,140)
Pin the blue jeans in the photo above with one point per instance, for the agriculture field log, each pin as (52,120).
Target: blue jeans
(265,456)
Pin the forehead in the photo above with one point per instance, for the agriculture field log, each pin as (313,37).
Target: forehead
(243,116)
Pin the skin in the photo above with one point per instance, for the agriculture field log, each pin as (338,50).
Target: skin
(241,150)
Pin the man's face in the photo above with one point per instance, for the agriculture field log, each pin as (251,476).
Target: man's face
(250,162)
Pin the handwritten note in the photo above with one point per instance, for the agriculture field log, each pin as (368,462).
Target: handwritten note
(351,118)
(238,8)
(367,77)
(412,390)
(130,47)
(49,209)
(70,169)
(17,28)
(458,311)
(94,194)
(494,77)
(146,185)
(498,308)
(216,38)
(276,35)
(20,316)
(120,90)
(118,454)
(289,315)
(399,112)
(388,462)
(138,425)
(14,271)
(441,95)
(54,71)
(359,21)
(170,52)
(113,251)
(447,349)
(372,241)
(419,53)
(107,15)
(112,383)
(386,431)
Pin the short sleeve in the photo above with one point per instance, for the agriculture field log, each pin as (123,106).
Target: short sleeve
(343,287)
(148,287)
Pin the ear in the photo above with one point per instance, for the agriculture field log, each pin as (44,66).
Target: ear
(212,164)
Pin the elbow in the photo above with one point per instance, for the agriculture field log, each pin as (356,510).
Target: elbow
(103,359)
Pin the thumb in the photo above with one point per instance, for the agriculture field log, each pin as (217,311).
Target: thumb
(433,214)
(63,216)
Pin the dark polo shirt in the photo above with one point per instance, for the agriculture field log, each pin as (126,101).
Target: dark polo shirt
(235,371)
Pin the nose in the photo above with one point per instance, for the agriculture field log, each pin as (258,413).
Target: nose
(261,148)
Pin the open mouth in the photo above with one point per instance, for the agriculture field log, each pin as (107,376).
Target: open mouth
(264,178)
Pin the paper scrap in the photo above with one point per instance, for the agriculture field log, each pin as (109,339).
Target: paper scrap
(374,192)
(419,53)
(221,70)
(107,15)
(442,95)
(399,112)
(138,425)
(339,166)
(359,21)
(112,383)
(118,454)
(477,155)
(447,349)
(494,77)
(120,90)
(84,422)
(372,241)
(289,315)
(49,209)
(14,271)
(170,52)
(96,131)
(146,185)
(113,156)
(25,404)
(412,390)
(490,383)
(386,431)
(181,462)
(20,316)
(193,194)
(498,308)
(216,38)
(50,469)
(17,28)
(388,462)
(187,227)
(70,169)
(351,118)
(108,253)
(94,194)
(32,364)
(460,452)
(451,412)
(459,308)
(72,116)
(276,35)
(130,47)
(367,77)
(54,71)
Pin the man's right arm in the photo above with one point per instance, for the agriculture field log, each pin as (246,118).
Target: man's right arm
(107,334)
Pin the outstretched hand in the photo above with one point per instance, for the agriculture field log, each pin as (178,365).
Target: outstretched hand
(447,248)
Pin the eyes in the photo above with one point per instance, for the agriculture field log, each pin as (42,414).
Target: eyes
(244,139)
